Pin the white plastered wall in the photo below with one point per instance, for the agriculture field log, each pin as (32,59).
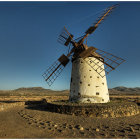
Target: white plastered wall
(87,85)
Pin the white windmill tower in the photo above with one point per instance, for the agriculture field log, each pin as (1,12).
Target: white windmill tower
(89,65)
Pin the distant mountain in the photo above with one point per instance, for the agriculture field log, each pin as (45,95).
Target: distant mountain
(32,91)
(124,90)
(39,91)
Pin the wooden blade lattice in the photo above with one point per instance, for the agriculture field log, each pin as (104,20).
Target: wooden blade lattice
(65,37)
(53,72)
(109,61)
(95,65)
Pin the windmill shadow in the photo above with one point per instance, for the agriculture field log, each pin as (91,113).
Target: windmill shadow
(36,105)
(41,106)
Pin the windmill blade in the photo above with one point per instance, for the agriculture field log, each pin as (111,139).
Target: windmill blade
(65,37)
(79,38)
(103,61)
(92,28)
(106,13)
(55,69)
(109,59)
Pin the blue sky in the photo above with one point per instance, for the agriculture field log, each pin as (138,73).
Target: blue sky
(29,32)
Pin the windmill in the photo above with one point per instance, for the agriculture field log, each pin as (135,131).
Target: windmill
(89,66)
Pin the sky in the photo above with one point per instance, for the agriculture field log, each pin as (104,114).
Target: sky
(29,33)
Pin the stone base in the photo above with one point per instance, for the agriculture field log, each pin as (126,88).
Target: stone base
(84,99)
(112,109)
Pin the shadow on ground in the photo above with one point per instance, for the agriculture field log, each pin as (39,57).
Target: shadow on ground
(37,105)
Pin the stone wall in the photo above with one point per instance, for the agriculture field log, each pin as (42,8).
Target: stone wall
(115,109)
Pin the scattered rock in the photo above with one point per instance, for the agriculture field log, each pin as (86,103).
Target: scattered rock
(137,124)
(64,126)
(123,131)
(81,128)
(77,126)
(55,126)
(106,127)
(97,130)
(132,129)
(41,123)
(48,121)
(59,130)
(87,129)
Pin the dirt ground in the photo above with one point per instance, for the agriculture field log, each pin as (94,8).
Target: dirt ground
(34,122)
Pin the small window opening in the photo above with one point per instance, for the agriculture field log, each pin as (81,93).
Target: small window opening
(80,82)
(97,93)
(88,84)
(102,99)
(97,76)
(90,76)
(89,70)
(71,80)
(78,93)
(103,83)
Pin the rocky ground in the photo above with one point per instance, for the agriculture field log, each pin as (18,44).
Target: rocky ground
(19,121)
(35,122)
